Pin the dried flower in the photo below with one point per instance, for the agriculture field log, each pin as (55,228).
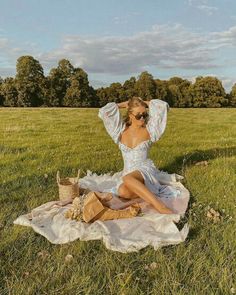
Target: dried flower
(43,254)
(76,211)
(68,258)
(153,265)
(214,215)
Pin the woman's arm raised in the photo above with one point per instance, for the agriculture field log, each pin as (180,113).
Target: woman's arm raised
(112,119)
(147,102)
(124,104)
(157,118)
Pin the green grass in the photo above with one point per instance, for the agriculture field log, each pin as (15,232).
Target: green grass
(38,141)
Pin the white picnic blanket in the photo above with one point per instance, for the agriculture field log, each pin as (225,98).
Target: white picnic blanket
(123,235)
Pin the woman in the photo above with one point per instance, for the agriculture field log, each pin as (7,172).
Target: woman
(134,136)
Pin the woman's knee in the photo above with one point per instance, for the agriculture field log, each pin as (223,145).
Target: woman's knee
(123,191)
(127,179)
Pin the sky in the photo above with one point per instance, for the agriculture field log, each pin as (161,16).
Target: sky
(113,40)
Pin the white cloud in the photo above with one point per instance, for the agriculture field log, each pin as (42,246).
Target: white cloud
(203,6)
(226,38)
(9,53)
(169,46)
(164,46)
(208,9)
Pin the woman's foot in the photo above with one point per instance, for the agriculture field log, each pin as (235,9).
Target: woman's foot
(165,210)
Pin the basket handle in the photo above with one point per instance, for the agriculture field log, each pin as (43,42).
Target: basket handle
(58,177)
(77,178)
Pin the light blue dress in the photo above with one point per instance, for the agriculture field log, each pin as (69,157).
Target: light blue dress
(137,158)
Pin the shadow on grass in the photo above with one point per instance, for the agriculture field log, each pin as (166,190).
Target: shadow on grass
(193,231)
(178,164)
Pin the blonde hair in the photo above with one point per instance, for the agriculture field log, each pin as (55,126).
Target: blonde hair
(133,102)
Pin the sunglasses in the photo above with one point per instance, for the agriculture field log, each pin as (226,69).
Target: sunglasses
(139,116)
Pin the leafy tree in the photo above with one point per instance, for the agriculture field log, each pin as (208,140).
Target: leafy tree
(208,92)
(115,92)
(9,92)
(129,88)
(102,95)
(79,93)
(145,86)
(185,99)
(69,86)
(162,90)
(178,92)
(174,95)
(1,95)
(29,81)
(58,82)
(51,96)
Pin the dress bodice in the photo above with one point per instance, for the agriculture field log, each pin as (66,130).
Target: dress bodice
(133,157)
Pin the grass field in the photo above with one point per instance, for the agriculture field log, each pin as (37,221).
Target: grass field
(35,142)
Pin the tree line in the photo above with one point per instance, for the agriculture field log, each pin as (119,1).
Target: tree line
(68,86)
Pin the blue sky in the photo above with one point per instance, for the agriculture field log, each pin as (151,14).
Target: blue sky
(114,40)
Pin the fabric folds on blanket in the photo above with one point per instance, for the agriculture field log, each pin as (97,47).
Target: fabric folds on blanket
(123,235)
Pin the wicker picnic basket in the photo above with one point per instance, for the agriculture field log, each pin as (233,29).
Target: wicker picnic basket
(68,186)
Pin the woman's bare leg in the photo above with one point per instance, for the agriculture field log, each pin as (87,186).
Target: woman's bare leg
(134,182)
(125,193)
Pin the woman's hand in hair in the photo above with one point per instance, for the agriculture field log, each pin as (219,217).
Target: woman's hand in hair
(123,104)
(147,102)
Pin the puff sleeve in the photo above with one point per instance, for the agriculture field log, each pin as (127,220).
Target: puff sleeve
(112,119)
(157,118)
